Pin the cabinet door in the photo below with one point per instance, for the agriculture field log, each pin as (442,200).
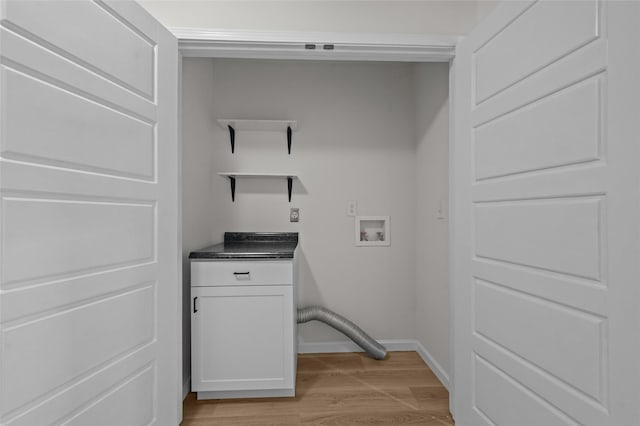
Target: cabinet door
(242,338)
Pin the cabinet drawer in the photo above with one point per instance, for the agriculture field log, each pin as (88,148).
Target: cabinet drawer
(223,273)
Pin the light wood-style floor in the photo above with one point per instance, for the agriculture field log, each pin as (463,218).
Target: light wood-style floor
(337,390)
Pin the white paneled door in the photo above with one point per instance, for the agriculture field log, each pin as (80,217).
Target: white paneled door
(89,294)
(546,267)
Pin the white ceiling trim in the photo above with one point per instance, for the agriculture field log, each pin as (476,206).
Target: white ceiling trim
(199,42)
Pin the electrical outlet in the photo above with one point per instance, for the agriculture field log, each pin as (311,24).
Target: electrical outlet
(294,215)
(352,208)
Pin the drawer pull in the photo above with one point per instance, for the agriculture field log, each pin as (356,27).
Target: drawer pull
(242,276)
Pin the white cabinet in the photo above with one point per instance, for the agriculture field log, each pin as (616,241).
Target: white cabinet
(243,329)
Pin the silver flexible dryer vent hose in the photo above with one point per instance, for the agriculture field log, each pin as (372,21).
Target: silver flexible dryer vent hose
(343,325)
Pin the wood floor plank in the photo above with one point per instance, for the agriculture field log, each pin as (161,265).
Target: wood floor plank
(396,418)
(314,401)
(338,390)
(398,378)
(259,407)
(395,360)
(355,382)
(358,400)
(431,398)
(315,363)
(245,421)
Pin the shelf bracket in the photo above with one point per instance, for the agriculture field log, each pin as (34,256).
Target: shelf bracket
(289,186)
(232,179)
(232,137)
(289,140)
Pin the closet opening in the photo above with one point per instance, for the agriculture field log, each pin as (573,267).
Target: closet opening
(371,139)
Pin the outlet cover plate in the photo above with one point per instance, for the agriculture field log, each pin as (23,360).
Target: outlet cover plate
(294,214)
(352,208)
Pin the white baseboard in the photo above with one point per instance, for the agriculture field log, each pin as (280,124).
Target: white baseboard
(437,369)
(186,387)
(349,346)
(392,345)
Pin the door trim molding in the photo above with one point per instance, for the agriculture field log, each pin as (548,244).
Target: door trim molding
(213,43)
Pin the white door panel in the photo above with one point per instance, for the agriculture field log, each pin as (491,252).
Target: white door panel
(567,71)
(533,138)
(97,39)
(46,341)
(108,140)
(577,339)
(89,288)
(546,230)
(120,405)
(524,407)
(62,71)
(89,236)
(502,61)
(558,235)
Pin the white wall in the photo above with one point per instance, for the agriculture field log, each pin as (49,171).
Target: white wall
(432,157)
(197,184)
(412,17)
(355,140)
(484,7)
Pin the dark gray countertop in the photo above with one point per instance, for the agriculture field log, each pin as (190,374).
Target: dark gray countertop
(251,245)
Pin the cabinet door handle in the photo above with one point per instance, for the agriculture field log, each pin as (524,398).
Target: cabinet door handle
(241,273)
(195,309)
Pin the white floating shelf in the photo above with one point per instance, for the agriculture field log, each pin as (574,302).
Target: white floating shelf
(257,125)
(259,175)
(234,125)
(234,175)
